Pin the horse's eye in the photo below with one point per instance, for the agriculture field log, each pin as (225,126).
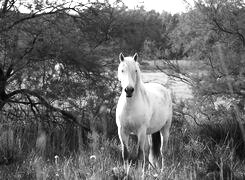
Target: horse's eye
(122,70)
(136,70)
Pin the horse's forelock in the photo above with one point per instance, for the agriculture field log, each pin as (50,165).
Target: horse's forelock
(131,64)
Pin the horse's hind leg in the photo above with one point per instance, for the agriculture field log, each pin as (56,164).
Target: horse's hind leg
(155,144)
(164,140)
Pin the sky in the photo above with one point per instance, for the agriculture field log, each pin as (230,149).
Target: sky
(171,6)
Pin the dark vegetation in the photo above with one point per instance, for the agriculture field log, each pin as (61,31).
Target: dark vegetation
(58,86)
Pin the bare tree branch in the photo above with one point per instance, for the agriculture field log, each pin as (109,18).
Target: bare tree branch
(176,73)
(35,15)
(47,105)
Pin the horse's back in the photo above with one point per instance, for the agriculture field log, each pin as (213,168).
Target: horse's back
(158,91)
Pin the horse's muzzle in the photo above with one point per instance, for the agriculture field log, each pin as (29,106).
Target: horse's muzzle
(129,91)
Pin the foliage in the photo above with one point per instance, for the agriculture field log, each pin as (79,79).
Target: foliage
(212,33)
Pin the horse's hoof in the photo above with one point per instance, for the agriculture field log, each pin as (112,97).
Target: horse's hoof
(127,177)
(155,175)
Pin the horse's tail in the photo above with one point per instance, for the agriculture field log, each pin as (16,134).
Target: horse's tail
(156,144)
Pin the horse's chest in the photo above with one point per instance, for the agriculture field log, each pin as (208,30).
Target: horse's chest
(133,121)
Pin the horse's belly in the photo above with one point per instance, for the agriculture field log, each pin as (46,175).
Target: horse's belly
(151,130)
(159,117)
(155,125)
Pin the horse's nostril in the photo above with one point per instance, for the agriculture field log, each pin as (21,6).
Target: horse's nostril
(129,90)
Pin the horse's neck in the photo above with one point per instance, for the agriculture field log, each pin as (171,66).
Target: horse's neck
(139,85)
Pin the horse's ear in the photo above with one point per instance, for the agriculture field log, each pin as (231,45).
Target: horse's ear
(121,57)
(135,57)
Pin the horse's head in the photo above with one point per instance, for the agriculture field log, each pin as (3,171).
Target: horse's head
(128,73)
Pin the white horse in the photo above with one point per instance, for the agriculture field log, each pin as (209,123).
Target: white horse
(143,109)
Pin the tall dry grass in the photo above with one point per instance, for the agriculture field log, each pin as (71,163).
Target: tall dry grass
(192,154)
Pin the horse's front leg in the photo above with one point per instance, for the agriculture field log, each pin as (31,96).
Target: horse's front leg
(141,151)
(124,144)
